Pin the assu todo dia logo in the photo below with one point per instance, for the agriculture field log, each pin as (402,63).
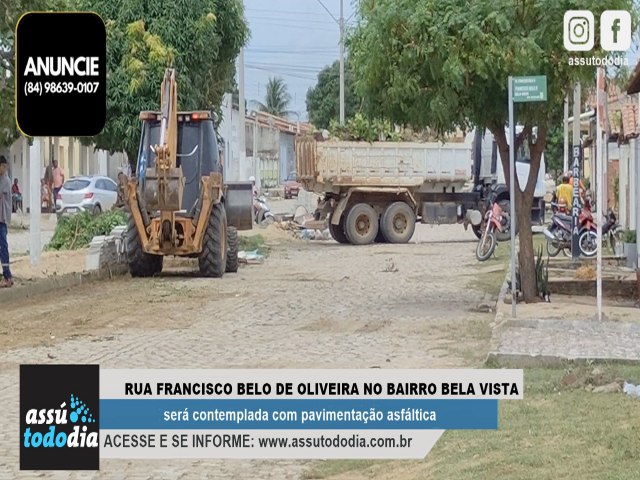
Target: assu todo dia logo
(59,417)
(74,412)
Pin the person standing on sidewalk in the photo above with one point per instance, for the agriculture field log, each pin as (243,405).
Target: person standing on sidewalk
(58,181)
(5,221)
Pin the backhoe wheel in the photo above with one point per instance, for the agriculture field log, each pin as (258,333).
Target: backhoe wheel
(232,249)
(213,258)
(398,223)
(141,264)
(362,224)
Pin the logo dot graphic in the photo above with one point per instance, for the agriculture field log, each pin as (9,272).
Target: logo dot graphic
(80,411)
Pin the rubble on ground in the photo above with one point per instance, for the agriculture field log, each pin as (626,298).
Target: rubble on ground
(305,227)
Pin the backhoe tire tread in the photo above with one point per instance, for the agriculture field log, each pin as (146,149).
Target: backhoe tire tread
(213,258)
(141,264)
(232,251)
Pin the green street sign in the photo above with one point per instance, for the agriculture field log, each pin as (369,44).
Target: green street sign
(530,89)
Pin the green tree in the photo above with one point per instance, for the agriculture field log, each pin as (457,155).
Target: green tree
(445,64)
(199,38)
(323,100)
(277,98)
(10,13)
(554,152)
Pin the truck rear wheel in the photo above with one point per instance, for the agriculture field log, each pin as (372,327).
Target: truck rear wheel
(213,258)
(141,264)
(337,231)
(398,223)
(362,224)
(232,249)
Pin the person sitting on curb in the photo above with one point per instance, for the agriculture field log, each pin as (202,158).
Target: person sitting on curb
(5,221)
(16,196)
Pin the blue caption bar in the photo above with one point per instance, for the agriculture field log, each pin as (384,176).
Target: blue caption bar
(300,414)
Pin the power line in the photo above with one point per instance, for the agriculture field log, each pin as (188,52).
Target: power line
(328,11)
(292,52)
(311,70)
(303,27)
(285,12)
(281,72)
(299,20)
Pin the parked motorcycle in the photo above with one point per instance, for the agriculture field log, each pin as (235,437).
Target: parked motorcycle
(612,231)
(488,240)
(559,236)
(262,211)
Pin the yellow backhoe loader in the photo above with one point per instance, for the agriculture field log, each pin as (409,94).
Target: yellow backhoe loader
(178,202)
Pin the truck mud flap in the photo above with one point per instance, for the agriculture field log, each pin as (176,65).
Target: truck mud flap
(239,205)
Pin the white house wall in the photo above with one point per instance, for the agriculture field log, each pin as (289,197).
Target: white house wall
(74,158)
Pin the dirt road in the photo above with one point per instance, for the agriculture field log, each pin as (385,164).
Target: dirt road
(310,305)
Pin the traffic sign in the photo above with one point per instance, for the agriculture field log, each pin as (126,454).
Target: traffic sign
(530,89)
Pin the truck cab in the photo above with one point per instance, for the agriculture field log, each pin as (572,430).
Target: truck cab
(489,174)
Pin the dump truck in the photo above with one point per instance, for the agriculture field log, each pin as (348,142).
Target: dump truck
(376,192)
(178,202)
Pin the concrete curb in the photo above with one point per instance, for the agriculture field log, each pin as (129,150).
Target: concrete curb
(517,360)
(503,322)
(106,258)
(54,283)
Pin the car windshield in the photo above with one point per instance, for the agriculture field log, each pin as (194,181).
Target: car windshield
(76,184)
(292,177)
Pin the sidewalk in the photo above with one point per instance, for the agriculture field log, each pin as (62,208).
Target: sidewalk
(567,329)
(19,234)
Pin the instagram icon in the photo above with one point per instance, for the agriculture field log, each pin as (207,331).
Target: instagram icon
(578,30)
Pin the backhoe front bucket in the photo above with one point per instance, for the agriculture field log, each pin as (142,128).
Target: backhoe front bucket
(239,205)
(171,198)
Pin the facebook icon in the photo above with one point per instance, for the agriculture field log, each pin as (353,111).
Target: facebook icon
(615,30)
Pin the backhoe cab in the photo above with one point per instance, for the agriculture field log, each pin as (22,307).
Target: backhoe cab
(178,202)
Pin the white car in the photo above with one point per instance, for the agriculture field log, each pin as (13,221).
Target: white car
(94,194)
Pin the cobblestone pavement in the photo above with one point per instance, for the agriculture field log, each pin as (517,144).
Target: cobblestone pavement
(310,305)
(572,340)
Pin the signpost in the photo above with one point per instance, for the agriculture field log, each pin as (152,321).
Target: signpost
(521,90)
(575,173)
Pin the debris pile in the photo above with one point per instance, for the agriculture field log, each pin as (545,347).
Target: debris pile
(304,226)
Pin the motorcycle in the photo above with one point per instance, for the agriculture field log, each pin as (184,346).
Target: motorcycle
(559,236)
(612,231)
(262,212)
(488,240)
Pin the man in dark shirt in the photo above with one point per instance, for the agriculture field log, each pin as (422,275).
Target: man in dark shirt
(5,221)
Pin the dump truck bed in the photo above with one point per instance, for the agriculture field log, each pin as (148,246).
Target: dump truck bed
(323,166)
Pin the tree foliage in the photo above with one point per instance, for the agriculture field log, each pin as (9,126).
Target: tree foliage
(323,100)
(199,38)
(277,98)
(10,13)
(445,63)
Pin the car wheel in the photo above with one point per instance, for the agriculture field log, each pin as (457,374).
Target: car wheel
(97,210)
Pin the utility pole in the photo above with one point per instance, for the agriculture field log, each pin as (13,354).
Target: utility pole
(241,108)
(566,135)
(341,62)
(340,21)
(34,156)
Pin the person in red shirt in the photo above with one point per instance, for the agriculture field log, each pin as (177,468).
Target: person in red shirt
(16,196)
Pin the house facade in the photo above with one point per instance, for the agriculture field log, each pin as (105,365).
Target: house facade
(269,154)
(74,158)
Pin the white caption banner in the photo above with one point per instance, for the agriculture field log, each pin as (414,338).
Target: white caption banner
(498,384)
(246,444)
